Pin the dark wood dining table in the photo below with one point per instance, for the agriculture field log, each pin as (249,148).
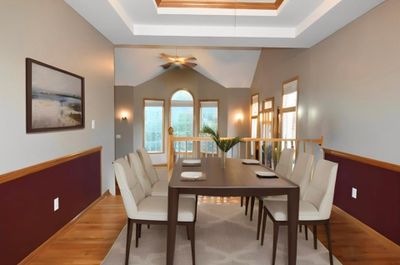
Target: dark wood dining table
(235,179)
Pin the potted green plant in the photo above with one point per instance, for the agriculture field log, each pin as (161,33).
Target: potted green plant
(224,145)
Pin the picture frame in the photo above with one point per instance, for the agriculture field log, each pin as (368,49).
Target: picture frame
(55,98)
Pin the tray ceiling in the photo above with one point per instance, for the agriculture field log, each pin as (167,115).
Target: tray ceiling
(295,23)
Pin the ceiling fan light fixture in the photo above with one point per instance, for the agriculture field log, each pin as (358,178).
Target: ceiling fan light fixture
(180,61)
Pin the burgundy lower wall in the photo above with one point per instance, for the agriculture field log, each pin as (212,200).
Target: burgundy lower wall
(378,198)
(27,218)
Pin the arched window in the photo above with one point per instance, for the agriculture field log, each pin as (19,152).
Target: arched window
(182,114)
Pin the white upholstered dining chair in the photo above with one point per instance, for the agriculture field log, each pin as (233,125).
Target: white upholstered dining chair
(138,168)
(283,169)
(285,163)
(146,209)
(314,208)
(301,176)
(159,186)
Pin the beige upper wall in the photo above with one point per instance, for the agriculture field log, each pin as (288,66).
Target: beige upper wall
(349,85)
(52,32)
(231,101)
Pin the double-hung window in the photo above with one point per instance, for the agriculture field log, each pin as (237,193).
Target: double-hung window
(267,118)
(208,115)
(289,109)
(254,120)
(154,125)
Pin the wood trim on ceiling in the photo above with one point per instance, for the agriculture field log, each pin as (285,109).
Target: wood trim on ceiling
(365,160)
(42,166)
(219,4)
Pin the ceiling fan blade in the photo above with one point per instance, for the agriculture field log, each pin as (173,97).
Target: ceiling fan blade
(163,55)
(191,58)
(190,65)
(166,65)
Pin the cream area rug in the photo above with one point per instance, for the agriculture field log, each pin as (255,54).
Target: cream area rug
(224,235)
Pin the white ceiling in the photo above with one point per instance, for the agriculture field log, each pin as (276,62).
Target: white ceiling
(233,68)
(297,23)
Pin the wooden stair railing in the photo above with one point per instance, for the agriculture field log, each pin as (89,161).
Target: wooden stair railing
(255,148)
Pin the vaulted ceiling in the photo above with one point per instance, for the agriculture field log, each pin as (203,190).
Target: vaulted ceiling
(233,68)
(229,32)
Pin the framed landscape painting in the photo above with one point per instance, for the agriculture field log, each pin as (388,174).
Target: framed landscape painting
(54,98)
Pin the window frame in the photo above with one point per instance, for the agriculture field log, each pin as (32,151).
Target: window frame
(163,124)
(289,109)
(199,120)
(254,116)
(199,112)
(194,114)
(265,111)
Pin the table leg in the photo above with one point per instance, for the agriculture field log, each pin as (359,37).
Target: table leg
(293,218)
(173,202)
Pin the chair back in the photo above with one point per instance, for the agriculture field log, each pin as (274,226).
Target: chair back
(148,166)
(131,190)
(301,174)
(285,164)
(138,170)
(322,187)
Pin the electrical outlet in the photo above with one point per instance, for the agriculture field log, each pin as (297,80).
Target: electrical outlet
(354,193)
(56,204)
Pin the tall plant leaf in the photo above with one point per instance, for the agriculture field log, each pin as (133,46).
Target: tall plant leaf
(223,144)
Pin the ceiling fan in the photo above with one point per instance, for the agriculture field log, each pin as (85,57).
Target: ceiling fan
(177,61)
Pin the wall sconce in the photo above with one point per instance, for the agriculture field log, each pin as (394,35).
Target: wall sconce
(239,117)
(124,116)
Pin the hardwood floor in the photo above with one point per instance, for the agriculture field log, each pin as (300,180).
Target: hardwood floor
(354,243)
(88,240)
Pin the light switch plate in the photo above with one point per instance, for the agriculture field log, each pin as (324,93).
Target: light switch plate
(56,204)
(93,124)
(354,193)
(118,136)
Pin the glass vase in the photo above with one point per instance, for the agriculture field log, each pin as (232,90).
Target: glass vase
(223,159)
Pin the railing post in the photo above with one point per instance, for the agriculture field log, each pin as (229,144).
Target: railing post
(247,150)
(171,151)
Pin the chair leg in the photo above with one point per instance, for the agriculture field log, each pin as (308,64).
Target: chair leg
(137,236)
(191,229)
(300,228)
(247,205)
(306,231)
(195,208)
(188,232)
(263,226)
(128,241)
(252,201)
(315,236)
(275,242)
(241,201)
(148,226)
(260,209)
(328,235)
(140,230)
